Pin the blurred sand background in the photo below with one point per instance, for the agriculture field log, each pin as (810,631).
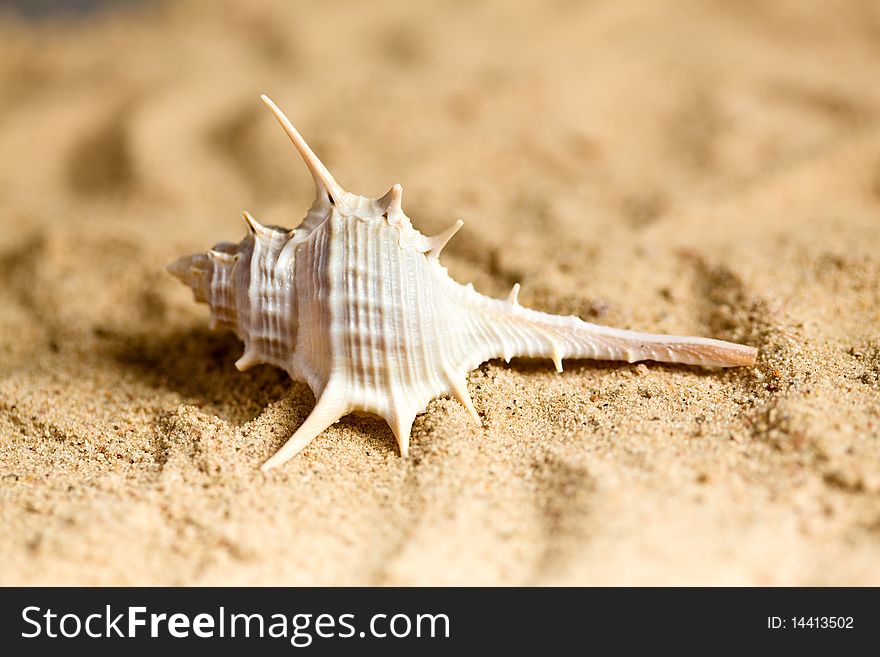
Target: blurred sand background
(706,168)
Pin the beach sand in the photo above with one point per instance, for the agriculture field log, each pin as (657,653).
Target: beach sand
(703,168)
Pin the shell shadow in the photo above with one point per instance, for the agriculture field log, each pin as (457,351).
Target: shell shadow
(199,365)
(530,365)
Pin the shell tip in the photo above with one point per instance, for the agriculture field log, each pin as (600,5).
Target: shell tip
(458,385)
(180,268)
(254,226)
(392,202)
(513,297)
(437,242)
(401,427)
(248,360)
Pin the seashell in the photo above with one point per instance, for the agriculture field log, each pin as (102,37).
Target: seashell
(355,303)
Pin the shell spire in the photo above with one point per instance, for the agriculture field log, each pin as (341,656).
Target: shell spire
(325,183)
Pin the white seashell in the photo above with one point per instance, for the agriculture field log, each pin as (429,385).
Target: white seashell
(356,303)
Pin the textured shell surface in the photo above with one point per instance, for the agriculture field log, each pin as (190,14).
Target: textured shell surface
(355,303)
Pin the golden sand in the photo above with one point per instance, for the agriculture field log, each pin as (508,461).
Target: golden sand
(684,167)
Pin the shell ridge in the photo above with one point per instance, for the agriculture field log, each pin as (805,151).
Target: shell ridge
(311,291)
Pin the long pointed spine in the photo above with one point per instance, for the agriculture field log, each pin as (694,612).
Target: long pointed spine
(324,181)
(328,409)
(518,331)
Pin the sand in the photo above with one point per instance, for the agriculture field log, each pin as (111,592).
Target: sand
(702,168)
